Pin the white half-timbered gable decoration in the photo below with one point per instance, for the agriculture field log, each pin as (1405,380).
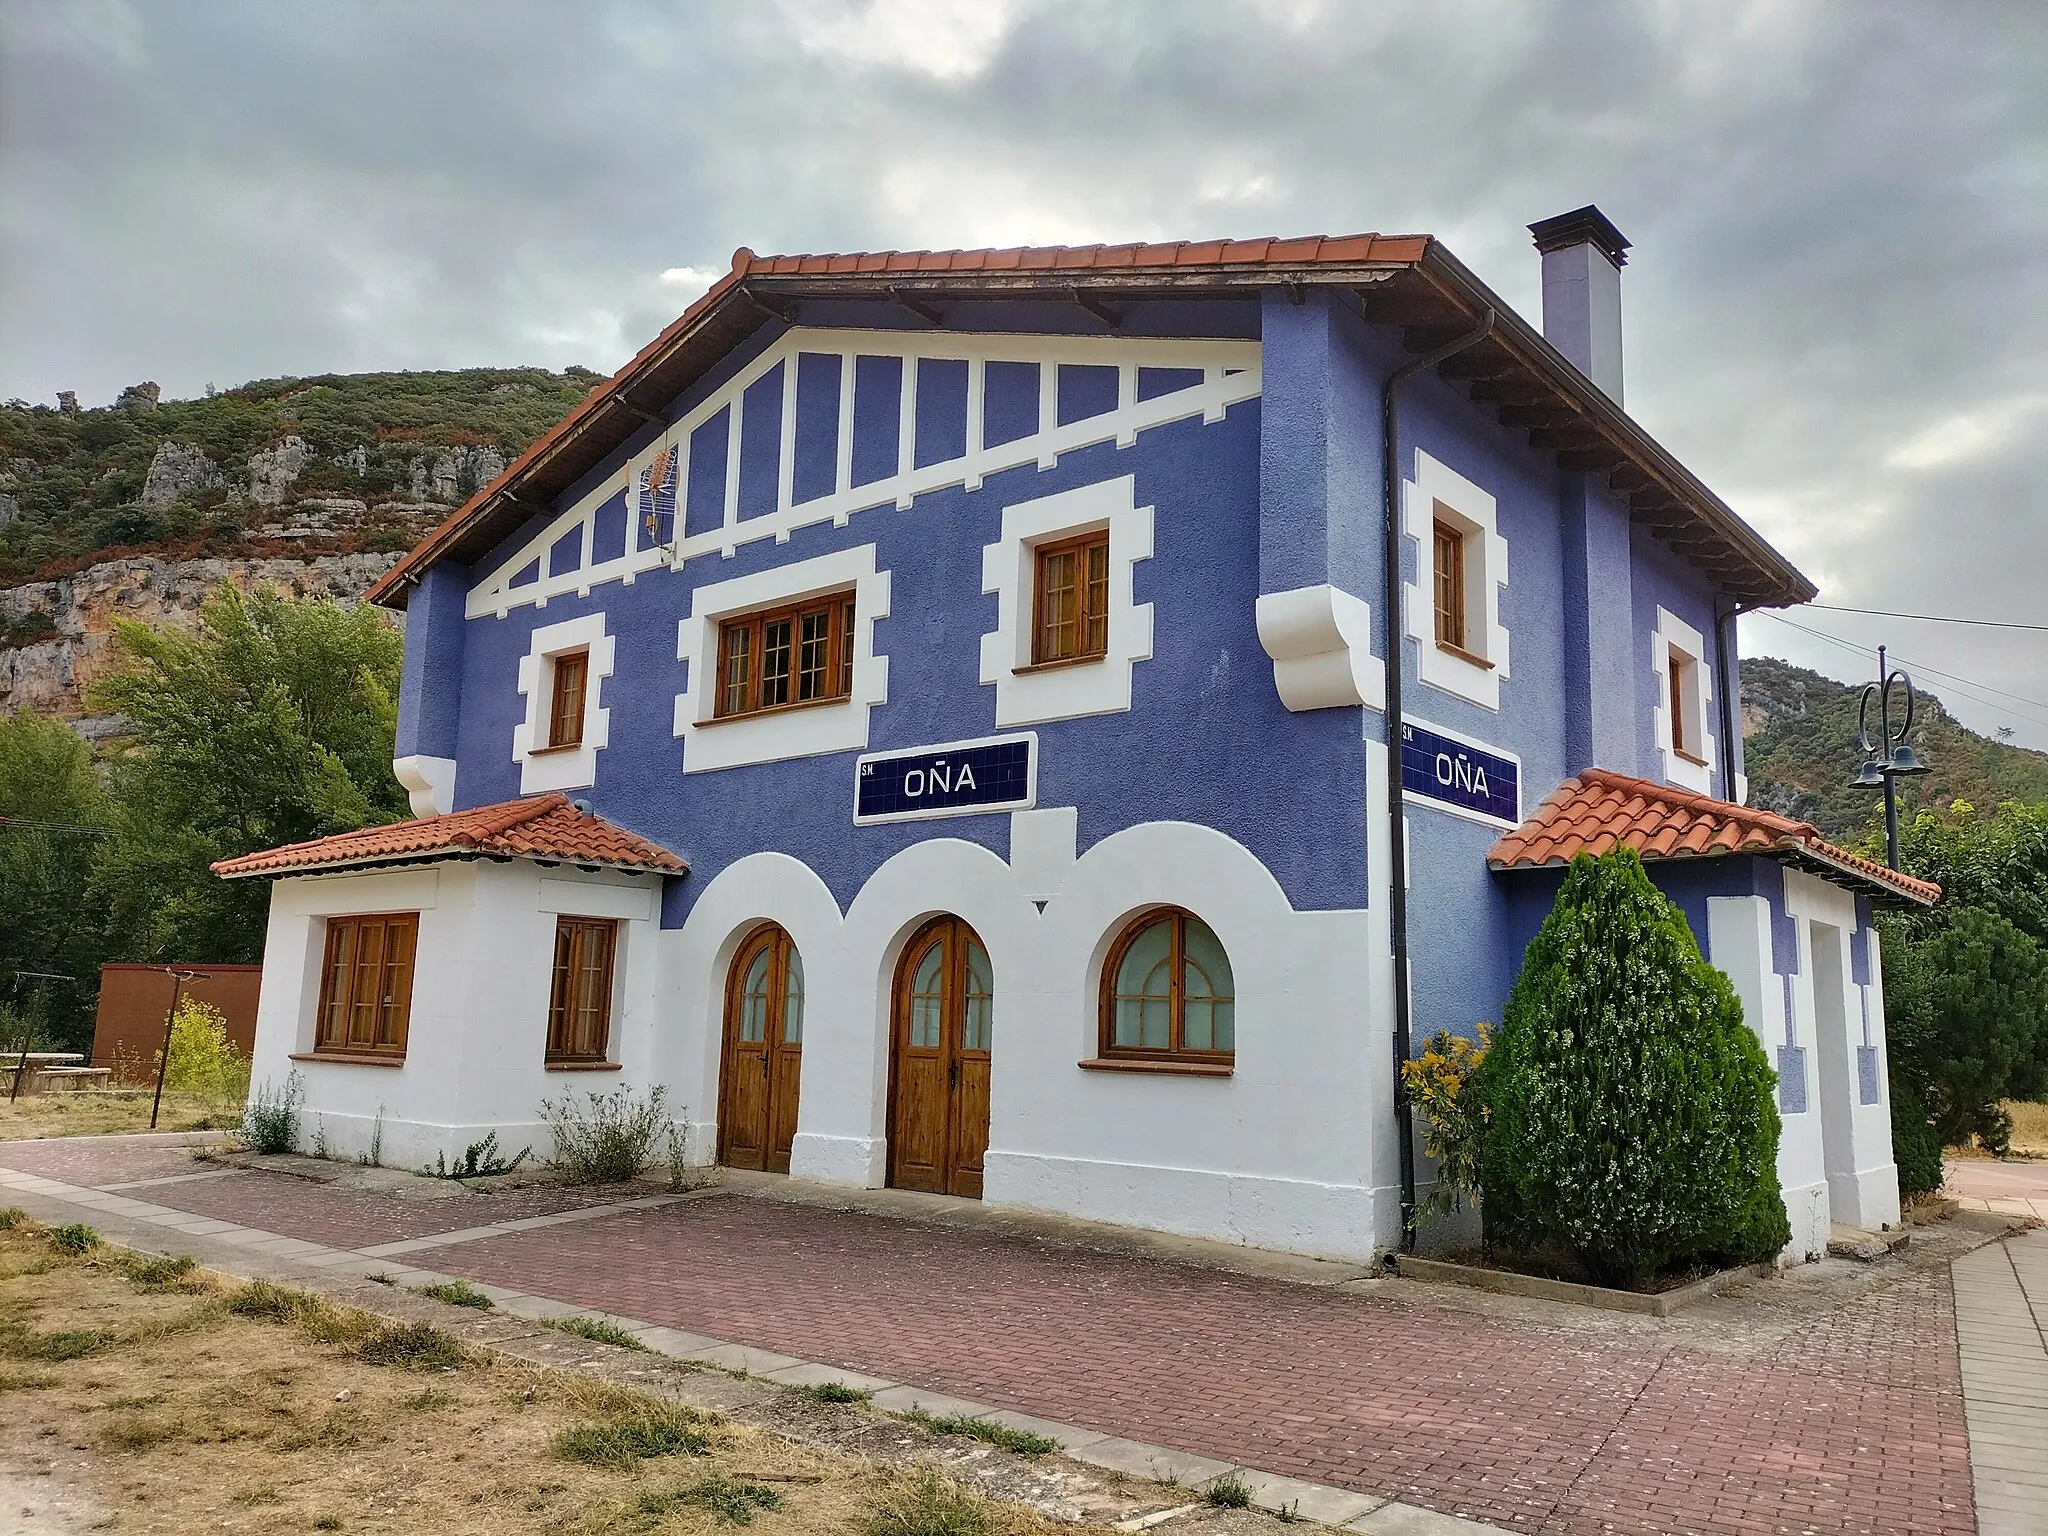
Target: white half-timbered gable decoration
(773,449)
(985,722)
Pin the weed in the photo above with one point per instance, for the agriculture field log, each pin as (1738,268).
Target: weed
(75,1238)
(605,1139)
(1228,1492)
(429,1401)
(1289,1513)
(374,1158)
(458,1293)
(733,1500)
(835,1392)
(272,1122)
(14,1216)
(322,1147)
(140,1432)
(479,1160)
(380,1278)
(257,1493)
(66,1344)
(327,1522)
(922,1503)
(413,1347)
(682,1177)
(640,1434)
(595,1329)
(1022,1441)
(271,1303)
(158,1274)
(25,1381)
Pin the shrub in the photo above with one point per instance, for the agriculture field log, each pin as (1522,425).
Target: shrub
(1229,1492)
(1968,1016)
(1916,1145)
(606,1139)
(1631,1116)
(272,1122)
(75,1238)
(204,1062)
(479,1160)
(1439,1083)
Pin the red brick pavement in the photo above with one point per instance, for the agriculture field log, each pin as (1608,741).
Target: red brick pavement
(97,1161)
(1851,1424)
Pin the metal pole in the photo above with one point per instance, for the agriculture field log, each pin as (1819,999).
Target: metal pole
(163,1060)
(1891,820)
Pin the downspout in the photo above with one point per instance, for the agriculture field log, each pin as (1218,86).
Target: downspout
(1728,688)
(1397,838)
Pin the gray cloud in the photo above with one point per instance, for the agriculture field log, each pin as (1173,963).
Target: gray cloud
(1835,313)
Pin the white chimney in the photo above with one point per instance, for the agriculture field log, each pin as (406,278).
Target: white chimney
(1583,255)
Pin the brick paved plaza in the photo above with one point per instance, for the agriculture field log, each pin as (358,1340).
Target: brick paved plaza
(1829,1400)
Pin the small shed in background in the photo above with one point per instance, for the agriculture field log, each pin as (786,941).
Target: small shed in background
(134,1000)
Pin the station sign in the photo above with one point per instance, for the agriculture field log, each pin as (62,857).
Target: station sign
(1460,776)
(959,778)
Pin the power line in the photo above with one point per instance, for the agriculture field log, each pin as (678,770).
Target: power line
(1967,685)
(1930,618)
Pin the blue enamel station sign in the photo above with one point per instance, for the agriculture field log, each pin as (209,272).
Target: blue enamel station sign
(998,774)
(1460,776)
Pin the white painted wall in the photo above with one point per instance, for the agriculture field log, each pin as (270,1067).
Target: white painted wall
(478,1031)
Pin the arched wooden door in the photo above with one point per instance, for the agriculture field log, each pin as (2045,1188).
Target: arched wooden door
(764,1041)
(939,1061)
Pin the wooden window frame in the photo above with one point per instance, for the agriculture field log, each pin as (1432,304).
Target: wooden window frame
(835,665)
(338,992)
(1175,1057)
(579,932)
(1087,615)
(559,717)
(1680,670)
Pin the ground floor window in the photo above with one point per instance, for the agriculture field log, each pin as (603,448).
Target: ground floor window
(366,983)
(1168,993)
(580,1006)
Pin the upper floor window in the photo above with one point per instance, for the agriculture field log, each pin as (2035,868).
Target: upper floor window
(1684,687)
(1070,600)
(366,984)
(1688,733)
(580,1004)
(1168,994)
(1450,586)
(800,654)
(565,699)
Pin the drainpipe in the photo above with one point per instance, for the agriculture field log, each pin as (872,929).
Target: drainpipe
(1397,838)
(1728,722)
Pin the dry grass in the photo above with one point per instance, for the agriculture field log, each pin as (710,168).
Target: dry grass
(104,1114)
(2029,1127)
(184,1402)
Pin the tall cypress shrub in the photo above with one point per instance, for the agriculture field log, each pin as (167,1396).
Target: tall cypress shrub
(1631,1111)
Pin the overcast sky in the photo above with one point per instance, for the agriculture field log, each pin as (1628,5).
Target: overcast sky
(1836,311)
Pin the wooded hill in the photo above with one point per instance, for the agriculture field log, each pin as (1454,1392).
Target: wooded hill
(371,454)
(1799,748)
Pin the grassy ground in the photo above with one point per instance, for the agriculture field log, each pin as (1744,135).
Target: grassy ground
(2029,1127)
(139,1396)
(106,1114)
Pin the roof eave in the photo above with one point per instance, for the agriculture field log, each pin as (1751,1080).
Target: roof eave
(445,855)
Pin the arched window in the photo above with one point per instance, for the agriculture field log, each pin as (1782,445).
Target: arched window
(1167,992)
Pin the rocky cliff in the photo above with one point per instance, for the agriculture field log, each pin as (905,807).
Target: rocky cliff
(64,628)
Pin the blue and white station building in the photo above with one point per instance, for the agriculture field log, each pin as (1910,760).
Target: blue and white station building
(1053,726)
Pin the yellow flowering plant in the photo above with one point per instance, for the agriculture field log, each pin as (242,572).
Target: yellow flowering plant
(1439,1083)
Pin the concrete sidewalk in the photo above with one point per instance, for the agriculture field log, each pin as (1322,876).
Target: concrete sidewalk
(2001,1309)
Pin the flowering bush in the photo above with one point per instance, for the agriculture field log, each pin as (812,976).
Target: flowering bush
(1439,1084)
(204,1061)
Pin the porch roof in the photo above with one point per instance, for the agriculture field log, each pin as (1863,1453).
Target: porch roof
(1599,810)
(544,828)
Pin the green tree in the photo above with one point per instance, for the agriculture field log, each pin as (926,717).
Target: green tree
(272,723)
(1997,862)
(1631,1112)
(1967,1017)
(51,812)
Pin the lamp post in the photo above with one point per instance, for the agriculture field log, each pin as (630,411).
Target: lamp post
(1888,759)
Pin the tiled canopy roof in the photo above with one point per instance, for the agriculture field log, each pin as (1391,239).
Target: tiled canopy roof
(545,827)
(1408,281)
(1600,810)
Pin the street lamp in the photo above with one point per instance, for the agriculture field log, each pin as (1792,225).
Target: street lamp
(1889,758)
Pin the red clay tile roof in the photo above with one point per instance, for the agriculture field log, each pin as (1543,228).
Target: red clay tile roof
(1600,810)
(544,827)
(1268,251)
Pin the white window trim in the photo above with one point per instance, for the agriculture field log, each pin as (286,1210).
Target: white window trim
(1673,633)
(1436,490)
(838,726)
(1009,569)
(544,770)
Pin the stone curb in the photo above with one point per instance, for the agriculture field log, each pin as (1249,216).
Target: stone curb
(1508,1283)
(277,1257)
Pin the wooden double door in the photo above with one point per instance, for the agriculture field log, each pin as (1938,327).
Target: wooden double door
(764,1043)
(943,1030)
